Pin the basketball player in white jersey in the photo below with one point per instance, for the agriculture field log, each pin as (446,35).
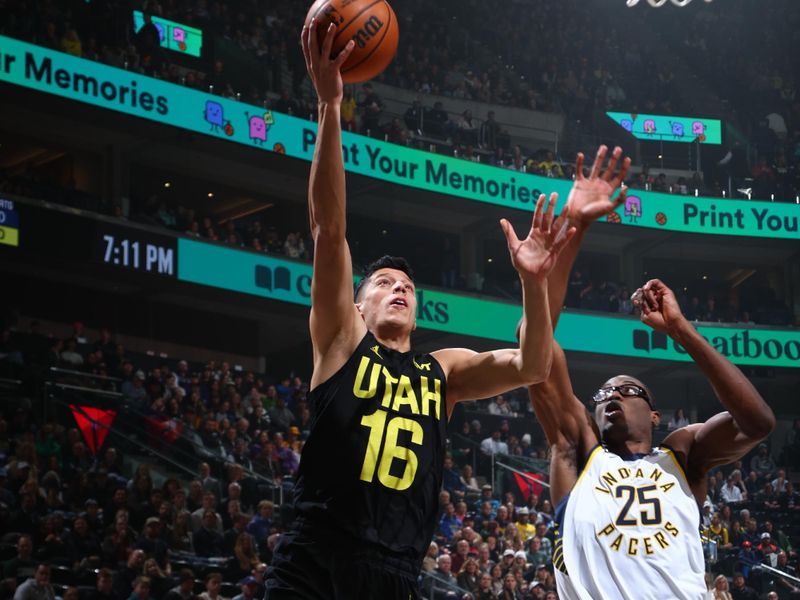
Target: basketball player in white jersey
(627,517)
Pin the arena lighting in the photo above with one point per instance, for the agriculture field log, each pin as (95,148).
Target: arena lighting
(659,3)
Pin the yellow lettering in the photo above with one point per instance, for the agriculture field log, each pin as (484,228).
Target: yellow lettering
(358,390)
(671,529)
(607,530)
(405,396)
(617,543)
(661,539)
(639,473)
(387,393)
(392,452)
(656,474)
(648,548)
(624,472)
(667,486)
(632,544)
(601,489)
(427,396)
(609,479)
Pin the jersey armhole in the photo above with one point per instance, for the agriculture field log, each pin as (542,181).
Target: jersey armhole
(322,387)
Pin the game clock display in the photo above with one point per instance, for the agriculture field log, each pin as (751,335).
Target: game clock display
(135,250)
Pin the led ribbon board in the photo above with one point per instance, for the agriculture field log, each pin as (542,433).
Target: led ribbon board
(288,281)
(670,129)
(115,89)
(174,36)
(9,223)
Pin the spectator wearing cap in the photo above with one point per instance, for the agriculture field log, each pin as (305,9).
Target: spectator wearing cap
(37,587)
(486,496)
(767,549)
(507,559)
(520,561)
(153,544)
(526,529)
(185,588)
(248,585)
(746,558)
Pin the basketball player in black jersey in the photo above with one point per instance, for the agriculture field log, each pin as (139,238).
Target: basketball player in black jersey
(371,469)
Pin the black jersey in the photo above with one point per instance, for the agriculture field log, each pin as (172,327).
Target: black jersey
(371,467)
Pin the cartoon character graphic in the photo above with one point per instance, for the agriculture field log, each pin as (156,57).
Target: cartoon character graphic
(162,32)
(627,124)
(179,36)
(677,129)
(633,208)
(259,125)
(699,130)
(214,114)
(649,126)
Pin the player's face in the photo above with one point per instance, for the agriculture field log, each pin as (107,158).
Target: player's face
(622,413)
(389,299)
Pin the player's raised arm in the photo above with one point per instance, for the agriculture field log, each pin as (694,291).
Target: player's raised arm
(589,199)
(333,313)
(472,375)
(728,435)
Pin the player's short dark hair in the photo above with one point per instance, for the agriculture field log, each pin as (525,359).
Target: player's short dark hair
(384,262)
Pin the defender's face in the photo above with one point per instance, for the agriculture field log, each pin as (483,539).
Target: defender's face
(620,412)
(389,299)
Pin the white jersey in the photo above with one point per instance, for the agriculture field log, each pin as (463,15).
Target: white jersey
(629,530)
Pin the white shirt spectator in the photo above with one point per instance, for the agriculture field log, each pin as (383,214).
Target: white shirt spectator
(494,445)
(730,492)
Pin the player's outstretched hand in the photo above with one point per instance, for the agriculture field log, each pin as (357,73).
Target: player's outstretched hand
(590,198)
(535,256)
(659,307)
(325,73)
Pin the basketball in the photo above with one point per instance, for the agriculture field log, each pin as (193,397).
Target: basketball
(371,24)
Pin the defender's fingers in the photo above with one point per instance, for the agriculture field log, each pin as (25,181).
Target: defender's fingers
(579,166)
(612,163)
(508,231)
(547,223)
(598,161)
(327,43)
(562,240)
(538,213)
(623,173)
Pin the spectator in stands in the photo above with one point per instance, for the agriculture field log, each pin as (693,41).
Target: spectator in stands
(248,587)
(185,588)
(280,416)
(141,589)
(37,587)
(449,523)
(104,587)
(207,540)
(70,355)
(444,583)
(213,586)
(180,538)
(499,406)
(494,445)
(148,44)
(451,480)
(721,590)
(468,481)
(22,565)
(741,591)
(371,108)
(198,516)
(731,493)
(678,420)
(260,525)
(153,544)
(762,463)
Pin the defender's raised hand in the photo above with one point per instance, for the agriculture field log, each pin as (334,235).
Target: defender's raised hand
(590,198)
(325,73)
(535,256)
(659,307)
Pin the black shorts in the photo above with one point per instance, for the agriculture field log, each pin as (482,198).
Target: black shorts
(304,568)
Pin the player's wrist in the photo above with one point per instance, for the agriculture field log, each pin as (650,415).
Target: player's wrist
(681,330)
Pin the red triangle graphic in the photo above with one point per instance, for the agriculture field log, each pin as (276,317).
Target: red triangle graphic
(94,424)
(527,485)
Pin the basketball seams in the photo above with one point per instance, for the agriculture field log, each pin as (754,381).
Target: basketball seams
(379,42)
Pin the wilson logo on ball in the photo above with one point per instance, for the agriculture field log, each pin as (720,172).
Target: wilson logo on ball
(369,30)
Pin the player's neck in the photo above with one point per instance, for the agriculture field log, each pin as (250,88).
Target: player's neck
(629,447)
(394,339)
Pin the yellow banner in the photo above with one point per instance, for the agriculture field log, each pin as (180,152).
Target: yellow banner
(9,236)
